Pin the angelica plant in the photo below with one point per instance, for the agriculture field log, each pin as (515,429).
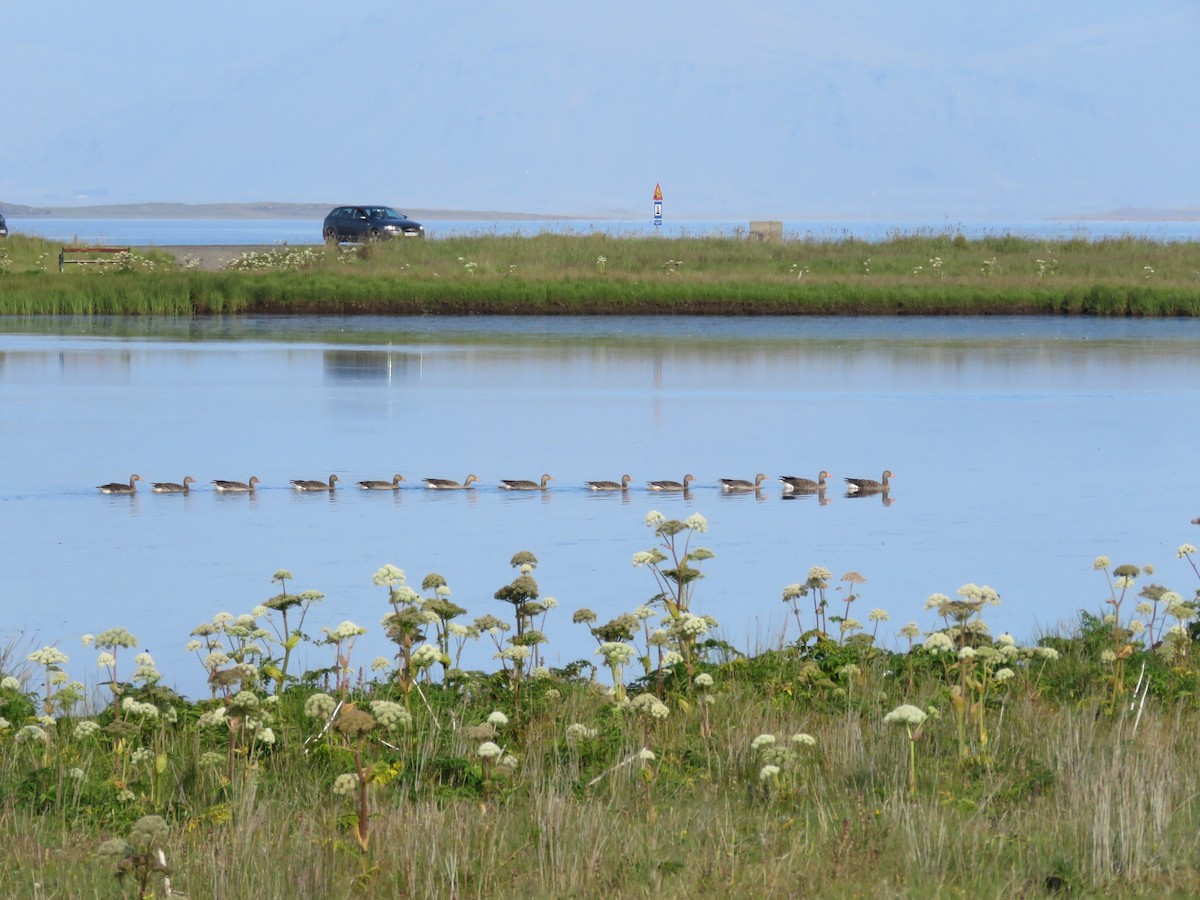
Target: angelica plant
(287,636)
(911,717)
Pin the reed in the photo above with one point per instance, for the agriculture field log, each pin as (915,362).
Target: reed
(598,274)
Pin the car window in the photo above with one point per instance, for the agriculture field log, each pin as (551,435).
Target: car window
(392,214)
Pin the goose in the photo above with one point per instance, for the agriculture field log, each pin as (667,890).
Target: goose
(116,487)
(798,485)
(671,485)
(392,485)
(170,487)
(445,484)
(738,484)
(519,484)
(623,485)
(867,485)
(302,485)
(236,487)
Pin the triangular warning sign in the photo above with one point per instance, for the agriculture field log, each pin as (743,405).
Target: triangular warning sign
(658,192)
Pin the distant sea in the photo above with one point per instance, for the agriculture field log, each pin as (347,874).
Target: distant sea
(210,232)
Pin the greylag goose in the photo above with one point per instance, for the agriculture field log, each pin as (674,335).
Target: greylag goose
(794,484)
(117,487)
(622,485)
(170,487)
(392,485)
(520,484)
(302,485)
(445,484)
(739,484)
(868,485)
(236,487)
(671,485)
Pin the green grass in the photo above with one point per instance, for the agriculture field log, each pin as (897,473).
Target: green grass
(924,274)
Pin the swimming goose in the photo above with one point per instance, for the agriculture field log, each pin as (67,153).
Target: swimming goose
(392,485)
(738,484)
(798,485)
(623,485)
(867,485)
(302,485)
(236,487)
(445,484)
(519,484)
(170,487)
(117,487)
(671,485)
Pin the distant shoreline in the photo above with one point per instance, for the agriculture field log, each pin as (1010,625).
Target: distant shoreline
(270,210)
(201,211)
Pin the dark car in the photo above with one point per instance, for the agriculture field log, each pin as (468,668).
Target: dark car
(3,228)
(368,223)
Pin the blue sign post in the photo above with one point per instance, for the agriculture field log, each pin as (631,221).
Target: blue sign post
(657,205)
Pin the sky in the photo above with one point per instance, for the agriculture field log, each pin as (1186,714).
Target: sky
(779,109)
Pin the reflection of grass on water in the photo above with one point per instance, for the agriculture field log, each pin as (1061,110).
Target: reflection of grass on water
(560,274)
(1068,764)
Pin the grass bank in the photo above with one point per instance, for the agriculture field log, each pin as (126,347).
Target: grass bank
(601,274)
(849,758)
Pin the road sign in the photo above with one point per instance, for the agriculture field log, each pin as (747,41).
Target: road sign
(658,204)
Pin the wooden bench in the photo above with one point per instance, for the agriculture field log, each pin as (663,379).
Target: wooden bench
(85,255)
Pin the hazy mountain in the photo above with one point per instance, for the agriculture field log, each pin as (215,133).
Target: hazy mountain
(777,109)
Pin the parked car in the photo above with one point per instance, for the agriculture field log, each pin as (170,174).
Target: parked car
(3,228)
(368,223)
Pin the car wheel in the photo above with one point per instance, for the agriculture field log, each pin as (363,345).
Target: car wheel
(373,234)
(331,236)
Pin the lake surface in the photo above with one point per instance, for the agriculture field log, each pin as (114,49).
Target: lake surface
(1022,448)
(202,232)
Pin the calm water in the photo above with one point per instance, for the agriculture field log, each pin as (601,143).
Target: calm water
(175,232)
(1022,448)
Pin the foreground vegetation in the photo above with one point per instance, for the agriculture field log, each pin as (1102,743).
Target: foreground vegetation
(670,764)
(931,274)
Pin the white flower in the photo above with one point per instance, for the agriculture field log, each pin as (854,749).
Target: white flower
(646,755)
(939,642)
(1100,562)
(1185,550)
(766,773)
(319,706)
(85,729)
(497,718)
(579,732)
(489,750)
(265,736)
(390,715)
(616,653)
(48,656)
(654,518)
(1047,653)
(800,739)
(388,576)
(966,653)
(878,615)
(763,740)
(936,600)
(10,684)
(704,680)
(696,522)
(347,784)
(906,714)
(1108,656)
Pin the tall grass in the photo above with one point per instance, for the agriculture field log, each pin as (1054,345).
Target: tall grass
(599,274)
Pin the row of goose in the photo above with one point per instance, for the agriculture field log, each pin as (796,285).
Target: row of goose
(791,484)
